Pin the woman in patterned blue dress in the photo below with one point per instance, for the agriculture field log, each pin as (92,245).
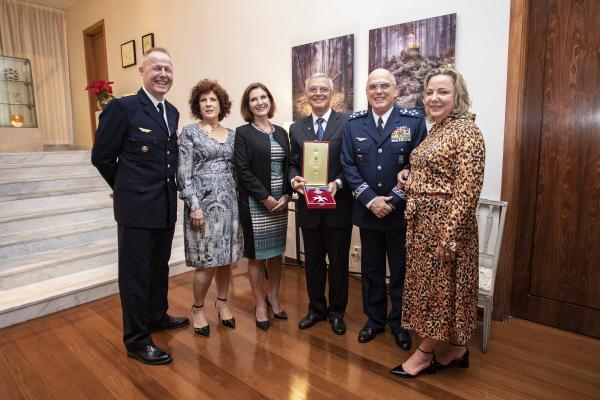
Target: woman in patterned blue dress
(212,232)
(261,164)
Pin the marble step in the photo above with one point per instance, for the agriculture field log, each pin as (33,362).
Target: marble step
(57,183)
(45,157)
(51,196)
(40,170)
(51,200)
(41,298)
(42,266)
(50,238)
(22,220)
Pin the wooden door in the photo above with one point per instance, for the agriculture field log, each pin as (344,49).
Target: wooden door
(95,63)
(556,277)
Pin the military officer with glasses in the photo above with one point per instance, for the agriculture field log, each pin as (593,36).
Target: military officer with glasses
(376,146)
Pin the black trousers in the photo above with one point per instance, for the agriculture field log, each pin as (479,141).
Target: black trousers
(143,281)
(335,243)
(376,245)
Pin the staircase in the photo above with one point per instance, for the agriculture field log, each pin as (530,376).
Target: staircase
(58,236)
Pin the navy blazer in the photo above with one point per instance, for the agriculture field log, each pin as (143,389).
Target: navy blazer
(252,160)
(138,159)
(301,131)
(371,162)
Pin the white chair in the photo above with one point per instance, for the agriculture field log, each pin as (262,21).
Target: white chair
(490,219)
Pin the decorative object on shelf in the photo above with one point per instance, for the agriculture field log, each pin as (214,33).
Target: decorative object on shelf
(10,74)
(103,92)
(128,54)
(147,42)
(17,120)
(17,98)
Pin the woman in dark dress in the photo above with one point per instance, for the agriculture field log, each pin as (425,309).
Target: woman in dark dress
(261,160)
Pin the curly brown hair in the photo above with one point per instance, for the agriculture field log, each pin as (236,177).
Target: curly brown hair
(245,103)
(207,86)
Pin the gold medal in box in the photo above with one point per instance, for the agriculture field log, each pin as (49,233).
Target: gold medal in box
(315,171)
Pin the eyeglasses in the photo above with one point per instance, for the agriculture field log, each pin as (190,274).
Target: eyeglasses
(383,86)
(317,89)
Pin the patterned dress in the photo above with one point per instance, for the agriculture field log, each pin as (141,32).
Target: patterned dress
(206,181)
(440,298)
(269,229)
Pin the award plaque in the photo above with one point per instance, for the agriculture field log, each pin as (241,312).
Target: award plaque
(315,170)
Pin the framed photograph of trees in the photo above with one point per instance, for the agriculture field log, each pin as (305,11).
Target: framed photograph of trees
(410,50)
(333,57)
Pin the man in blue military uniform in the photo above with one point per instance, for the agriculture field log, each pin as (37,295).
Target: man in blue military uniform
(376,146)
(136,152)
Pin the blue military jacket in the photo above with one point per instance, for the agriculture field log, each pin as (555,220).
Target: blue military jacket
(138,158)
(371,162)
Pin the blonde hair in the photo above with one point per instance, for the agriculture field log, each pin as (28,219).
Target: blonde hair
(462,103)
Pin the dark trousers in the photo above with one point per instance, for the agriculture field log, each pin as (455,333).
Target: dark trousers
(375,246)
(143,281)
(335,243)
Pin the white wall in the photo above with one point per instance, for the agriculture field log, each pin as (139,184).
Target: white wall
(238,42)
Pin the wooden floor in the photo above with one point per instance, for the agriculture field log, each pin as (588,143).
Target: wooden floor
(78,354)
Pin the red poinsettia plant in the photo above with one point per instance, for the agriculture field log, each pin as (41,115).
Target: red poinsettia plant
(101,89)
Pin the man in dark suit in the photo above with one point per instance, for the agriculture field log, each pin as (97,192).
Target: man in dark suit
(376,146)
(327,231)
(136,152)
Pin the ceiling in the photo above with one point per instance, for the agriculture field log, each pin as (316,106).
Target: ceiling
(60,4)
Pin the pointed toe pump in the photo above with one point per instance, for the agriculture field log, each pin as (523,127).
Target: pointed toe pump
(262,325)
(430,369)
(205,330)
(280,315)
(229,323)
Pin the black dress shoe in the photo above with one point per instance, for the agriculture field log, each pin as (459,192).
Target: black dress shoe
(151,355)
(263,325)
(308,321)
(338,326)
(367,334)
(280,315)
(204,330)
(430,369)
(403,340)
(229,323)
(462,362)
(169,322)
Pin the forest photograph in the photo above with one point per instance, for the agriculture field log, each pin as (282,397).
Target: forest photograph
(410,50)
(333,57)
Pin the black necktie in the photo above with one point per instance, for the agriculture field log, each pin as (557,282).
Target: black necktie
(380,125)
(161,111)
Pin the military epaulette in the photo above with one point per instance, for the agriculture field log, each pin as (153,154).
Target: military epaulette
(411,112)
(358,114)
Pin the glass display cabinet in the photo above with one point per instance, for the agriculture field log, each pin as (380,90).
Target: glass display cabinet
(17,102)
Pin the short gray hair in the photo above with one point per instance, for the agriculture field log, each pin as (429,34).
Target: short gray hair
(318,75)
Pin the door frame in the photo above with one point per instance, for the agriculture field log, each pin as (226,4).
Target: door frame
(90,67)
(511,164)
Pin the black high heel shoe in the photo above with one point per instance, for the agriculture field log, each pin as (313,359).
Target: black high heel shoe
(430,369)
(263,325)
(229,323)
(280,315)
(462,362)
(205,330)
